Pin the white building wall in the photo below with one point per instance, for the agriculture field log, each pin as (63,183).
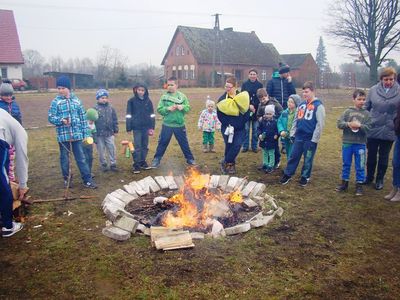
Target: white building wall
(13,71)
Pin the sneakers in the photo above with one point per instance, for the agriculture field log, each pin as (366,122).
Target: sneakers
(392,193)
(359,189)
(261,167)
(66,183)
(191,162)
(155,163)
(230,168)
(145,166)
(113,168)
(285,179)
(396,197)
(9,232)
(245,150)
(255,150)
(136,169)
(90,185)
(277,165)
(104,167)
(303,181)
(268,170)
(379,184)
(343,186)
(223,167)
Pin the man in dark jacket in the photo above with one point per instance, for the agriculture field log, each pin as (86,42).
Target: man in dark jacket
(282,87)
(251,86)
(140,119)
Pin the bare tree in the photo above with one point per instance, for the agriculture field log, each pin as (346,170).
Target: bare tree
(370,27)
(56,63)
(33,65)
(110,62)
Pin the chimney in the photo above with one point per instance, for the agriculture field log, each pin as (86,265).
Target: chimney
(253,32)
(228,29)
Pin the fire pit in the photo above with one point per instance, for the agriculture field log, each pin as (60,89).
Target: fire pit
(174,210)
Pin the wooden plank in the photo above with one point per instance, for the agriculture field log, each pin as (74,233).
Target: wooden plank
(171,182)
(231,184)
(161,182)
(213,184)
(223,180)
(249,187)
(181,240)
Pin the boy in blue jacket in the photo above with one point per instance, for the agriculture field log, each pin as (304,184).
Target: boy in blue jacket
(307,128)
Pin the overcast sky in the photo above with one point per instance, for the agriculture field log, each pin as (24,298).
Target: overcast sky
(142,30)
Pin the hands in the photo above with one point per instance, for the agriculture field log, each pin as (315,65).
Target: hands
(66,121)
(261,137)
(275,137)
(179,107)
(354,125)
(150,132)
(252,108)
(283,134)
(22,193)
(172,107)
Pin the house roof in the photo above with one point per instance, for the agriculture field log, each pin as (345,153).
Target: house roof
(237,47)
(295,60)
(274,52)
(10,48)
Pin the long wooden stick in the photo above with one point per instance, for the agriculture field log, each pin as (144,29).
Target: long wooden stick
(62,199)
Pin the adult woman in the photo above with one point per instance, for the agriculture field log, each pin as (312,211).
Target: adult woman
(382,102)
(233,113)
(394,195)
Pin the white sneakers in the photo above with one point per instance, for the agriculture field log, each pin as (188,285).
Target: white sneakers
(9,232)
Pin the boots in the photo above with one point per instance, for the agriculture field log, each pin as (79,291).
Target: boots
(343,186)
(396,197)
(205,148)
(359,189)
(230,168)
(211,148)
(392,193)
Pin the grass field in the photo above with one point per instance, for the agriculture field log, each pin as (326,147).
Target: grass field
(326,246)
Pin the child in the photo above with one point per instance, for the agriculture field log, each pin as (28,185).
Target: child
(91,116)
(106,128)
(67,113)
(140,119)
(307,127)
(355,123)
(285,122)
(208,123)
(268,136)
(173,106)
(8,103)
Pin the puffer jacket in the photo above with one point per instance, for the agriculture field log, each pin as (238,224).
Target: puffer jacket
(251,87)
(107,123)
(140,112)
(280,89)
(12,108)
(382,106)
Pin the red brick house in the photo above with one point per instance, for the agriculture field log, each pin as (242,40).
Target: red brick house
(11,59)
(190,56)
(303,67)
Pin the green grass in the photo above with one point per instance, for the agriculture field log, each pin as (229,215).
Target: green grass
(327,245)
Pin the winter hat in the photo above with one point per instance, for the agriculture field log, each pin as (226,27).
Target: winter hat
(101,93)
(63,81)
(92,114)
(6,88)
(296,99)
(269,109)
(284,69)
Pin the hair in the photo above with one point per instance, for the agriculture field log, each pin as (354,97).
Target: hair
(388,71)
(261,93)
(172,78)
(208,102)
(253,70)
(231,80)
(359,93)
(308,85)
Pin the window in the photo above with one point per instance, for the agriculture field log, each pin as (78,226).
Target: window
(4,73)
(177,50)
(182,50)
(186,72)
(263,75)
(174,71)
(191,73)
(179,72)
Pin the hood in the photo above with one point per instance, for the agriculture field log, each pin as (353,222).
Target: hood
(146,93)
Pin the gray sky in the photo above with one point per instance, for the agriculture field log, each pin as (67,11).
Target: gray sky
(143,29)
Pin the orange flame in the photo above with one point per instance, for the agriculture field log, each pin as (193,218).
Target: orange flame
(197,204)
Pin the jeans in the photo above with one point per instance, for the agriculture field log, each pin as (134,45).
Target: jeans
(208,138)
(77,150)
(232,149)
(396,163)
(6,197)
(301,148)
(288,147)
(165,138)
(359,152)
(141,142)
(253,124)
(378,151)
(268,158)
(88,151)
(103,143)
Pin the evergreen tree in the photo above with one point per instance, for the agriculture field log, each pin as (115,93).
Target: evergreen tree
(321,59)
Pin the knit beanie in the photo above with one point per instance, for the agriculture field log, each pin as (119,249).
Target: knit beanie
(296,99)
(284,69)
(101,93)
(63,81)
(270,109)
(92,114)
(6,89)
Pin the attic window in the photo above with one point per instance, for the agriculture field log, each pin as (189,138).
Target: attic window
(178,50)
(182,50)
(263,75)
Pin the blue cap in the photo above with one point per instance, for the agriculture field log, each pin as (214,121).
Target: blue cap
(100,93)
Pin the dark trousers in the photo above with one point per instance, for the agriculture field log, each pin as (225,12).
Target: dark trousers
(301,148)
(232,149)
(77,150)
(396,163)
(277,153)
(251,125)
(165,138)
(378,154)
(88,151)
(141,142)
(6,197)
